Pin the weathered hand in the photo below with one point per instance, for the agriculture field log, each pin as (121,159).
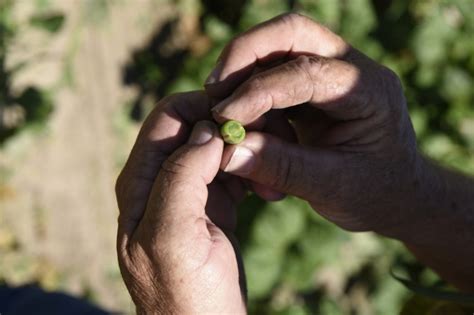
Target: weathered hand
(355,155)
(175,245)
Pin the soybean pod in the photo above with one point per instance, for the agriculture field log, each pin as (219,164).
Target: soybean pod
(232,132)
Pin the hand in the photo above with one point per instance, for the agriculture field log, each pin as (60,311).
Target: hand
(175,243)
(354,157)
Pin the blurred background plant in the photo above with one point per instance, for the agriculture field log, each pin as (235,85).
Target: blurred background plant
(31,105)
(296,262)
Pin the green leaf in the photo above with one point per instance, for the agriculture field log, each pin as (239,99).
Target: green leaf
(330,307)
(278,224)
(51,22)
(37,104)
(357,20)
(216,29)
(457,84)
(318,246)
(262,268)
(431,39)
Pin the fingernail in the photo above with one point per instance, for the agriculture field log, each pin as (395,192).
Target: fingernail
(202,132)
(241,162)
(215,74)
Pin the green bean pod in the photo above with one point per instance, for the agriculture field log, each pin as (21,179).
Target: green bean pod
(232,132)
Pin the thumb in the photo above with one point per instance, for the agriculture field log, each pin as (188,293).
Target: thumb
(178,198)
(199,158)
(286,167)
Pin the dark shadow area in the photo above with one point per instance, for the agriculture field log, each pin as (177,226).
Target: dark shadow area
(228,11)
(247,213)
(394,29)
(366,278)
(152,69)
(31,299)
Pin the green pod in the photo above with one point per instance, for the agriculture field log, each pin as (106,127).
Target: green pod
(233,132)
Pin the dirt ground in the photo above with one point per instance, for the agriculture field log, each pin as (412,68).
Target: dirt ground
(57,192)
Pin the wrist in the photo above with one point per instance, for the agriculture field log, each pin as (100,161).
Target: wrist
(439,229)
(418,211)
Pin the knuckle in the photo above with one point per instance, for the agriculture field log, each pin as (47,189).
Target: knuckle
(163,105)
(318,63)
(169,99)
(256,84)
(295,19)
(256,91)
(302,67)
(391,78)
(302,62)
(392,88)
(396,109)
(312,65)
(236,44)
(230,46)
(175,170)
(174,167)
(300,22)
(292,17)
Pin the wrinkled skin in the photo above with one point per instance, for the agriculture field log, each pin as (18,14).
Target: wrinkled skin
(349,115)
(175,238)
(326,124)
(354,158)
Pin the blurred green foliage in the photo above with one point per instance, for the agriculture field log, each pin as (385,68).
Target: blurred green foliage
(296,262)
(31,105)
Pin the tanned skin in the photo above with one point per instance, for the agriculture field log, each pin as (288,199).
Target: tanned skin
(327,124)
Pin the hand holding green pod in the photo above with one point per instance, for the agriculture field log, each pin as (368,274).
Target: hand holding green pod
(232,132)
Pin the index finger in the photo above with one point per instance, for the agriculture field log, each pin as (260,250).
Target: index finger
(286,35)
